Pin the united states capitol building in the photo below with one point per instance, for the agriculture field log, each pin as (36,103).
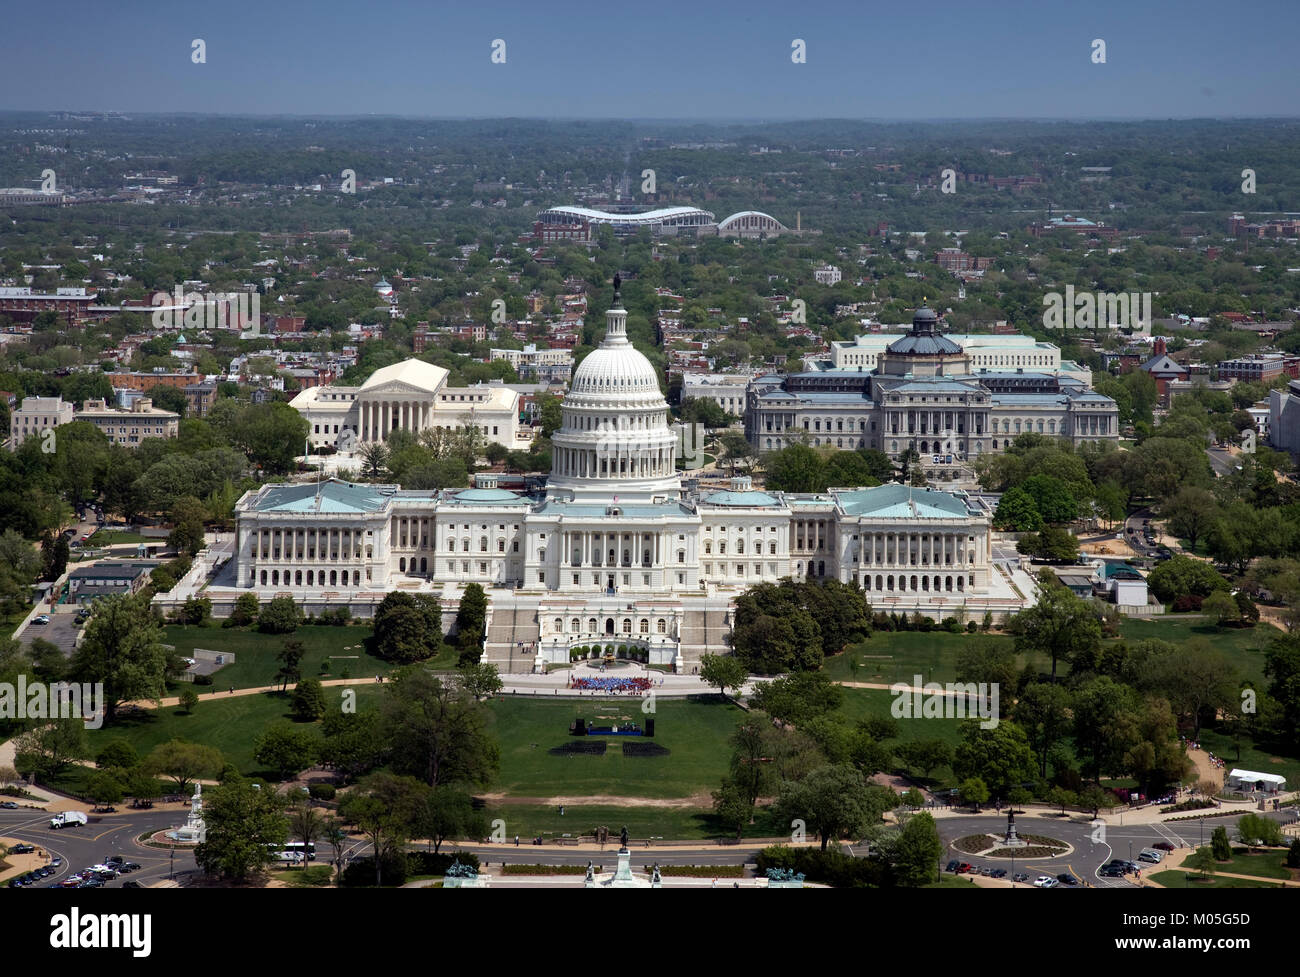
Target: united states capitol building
(614,548)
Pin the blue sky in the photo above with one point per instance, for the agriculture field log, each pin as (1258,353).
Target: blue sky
(663,59)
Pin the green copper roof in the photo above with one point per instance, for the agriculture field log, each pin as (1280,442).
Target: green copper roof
(332,496)
(902,502)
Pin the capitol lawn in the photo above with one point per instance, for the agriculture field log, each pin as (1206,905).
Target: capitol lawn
(255,653)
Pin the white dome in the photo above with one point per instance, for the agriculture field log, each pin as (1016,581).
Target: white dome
(613,370)
(615,438)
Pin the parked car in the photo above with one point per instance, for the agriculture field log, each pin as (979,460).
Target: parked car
(22,849)
(1164,846)
(963,868)
(1152,857)
(1065,878)
(1045,882)
(41,619)
(1020,877)
(128,867)
(952,866)
(1112,871)
(115,860)
(998,873)
(132,884)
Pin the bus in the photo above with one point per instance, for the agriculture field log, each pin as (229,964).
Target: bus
(297,848)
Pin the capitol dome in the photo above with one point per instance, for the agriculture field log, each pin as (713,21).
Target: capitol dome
(615,438)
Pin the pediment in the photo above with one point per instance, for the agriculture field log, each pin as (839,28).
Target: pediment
(394,388)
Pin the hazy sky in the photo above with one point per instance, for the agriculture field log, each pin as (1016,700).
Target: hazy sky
(659,59)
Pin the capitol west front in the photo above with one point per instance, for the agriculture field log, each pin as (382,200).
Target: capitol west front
(615,548)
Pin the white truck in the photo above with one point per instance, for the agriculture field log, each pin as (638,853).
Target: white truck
(68,818)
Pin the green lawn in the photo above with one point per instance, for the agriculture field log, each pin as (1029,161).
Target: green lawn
(231,725)
(530,820)
(1178,879)
(109,537)
(861,703)
(1269,864)
(899,656)
(947,881)
(695,731)
(255,653)
(1242,646)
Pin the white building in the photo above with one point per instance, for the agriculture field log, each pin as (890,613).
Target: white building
(615,548)
(37,414)
(544,365)
(727,390)
(827,275)
(130,426)
(412,395)
(998,353)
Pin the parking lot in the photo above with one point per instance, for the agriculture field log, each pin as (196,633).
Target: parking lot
(62,629)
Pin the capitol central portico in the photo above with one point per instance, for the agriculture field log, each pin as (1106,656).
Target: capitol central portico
(614,550)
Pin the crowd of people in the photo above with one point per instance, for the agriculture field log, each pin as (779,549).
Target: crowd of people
(635,684)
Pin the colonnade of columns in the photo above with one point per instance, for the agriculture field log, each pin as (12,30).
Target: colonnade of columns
(378,417)
(601,549)
(289,545)
(918,549)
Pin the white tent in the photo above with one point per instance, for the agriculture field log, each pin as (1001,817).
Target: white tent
(1252,779)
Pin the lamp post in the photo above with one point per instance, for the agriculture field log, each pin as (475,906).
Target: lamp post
(171,869)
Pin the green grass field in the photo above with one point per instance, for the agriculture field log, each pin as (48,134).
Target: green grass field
(255,653)
(695,731)
(1178,879)
(899,656)
(110,537)
(231,725)
(1266,864)
(1242,646)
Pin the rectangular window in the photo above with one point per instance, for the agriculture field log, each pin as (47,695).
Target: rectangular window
(541,576)
(575,580)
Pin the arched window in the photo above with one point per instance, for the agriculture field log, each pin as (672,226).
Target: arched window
(722,546)
(661,626)
(591,625)
(708,546)
(575,625)
(541,555)
(772,547)
(464,546)
(645,626)
(627,625)
(482,544)
(740,546)
(559,625)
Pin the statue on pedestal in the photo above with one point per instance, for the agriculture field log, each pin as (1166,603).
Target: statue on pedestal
(622,837)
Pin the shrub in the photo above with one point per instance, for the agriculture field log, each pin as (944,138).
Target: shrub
(829,867)
(202,679)
(1187,602)
(322,792)
(951,625)
(361,871)
(971,627)
(436,863)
